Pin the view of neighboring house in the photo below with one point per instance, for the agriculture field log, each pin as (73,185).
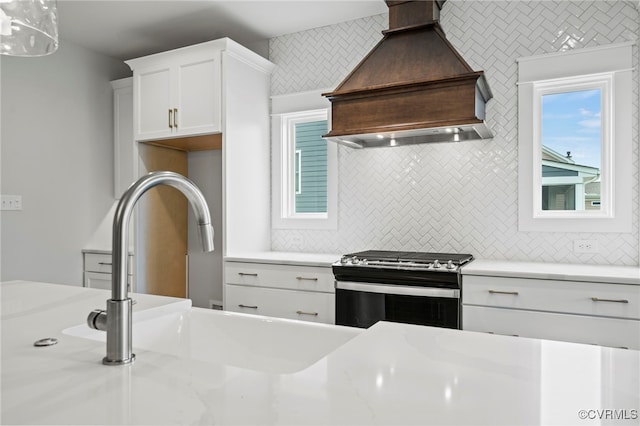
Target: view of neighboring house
(311,167)
(567,185)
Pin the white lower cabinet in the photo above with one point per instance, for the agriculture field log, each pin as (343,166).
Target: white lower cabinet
(583,312)
(97,270)
(286,291)
(292,304)
(613,332)
(97,280)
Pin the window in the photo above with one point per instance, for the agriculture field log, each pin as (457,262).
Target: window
(574,131)
(573,139)
(304,165)
(311,164)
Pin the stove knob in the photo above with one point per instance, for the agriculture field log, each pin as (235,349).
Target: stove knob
(450,265)
(355,260)
(344,260)
(364,262)
(436,264)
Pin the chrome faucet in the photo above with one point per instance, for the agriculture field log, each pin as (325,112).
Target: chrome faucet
(117,319)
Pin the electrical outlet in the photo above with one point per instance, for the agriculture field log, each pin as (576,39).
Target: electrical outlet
(11,202)
(585,246)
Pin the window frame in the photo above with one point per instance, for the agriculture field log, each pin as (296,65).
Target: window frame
(571,69)
(287,111)
(604,83)
(288,161)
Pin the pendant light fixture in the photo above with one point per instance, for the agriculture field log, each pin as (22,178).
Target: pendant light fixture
(28,27)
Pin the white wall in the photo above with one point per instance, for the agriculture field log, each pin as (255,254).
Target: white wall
(57,153)
(455,197)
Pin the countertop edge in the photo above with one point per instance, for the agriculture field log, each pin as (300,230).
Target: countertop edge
(553,271)
(285,258)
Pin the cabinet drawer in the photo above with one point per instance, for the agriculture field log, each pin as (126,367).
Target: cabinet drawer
(308,278)
(96,262)
(613,332)
(97,280)
(102,280)
(610,300)
(300,305)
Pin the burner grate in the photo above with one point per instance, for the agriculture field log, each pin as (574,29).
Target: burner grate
(411,256)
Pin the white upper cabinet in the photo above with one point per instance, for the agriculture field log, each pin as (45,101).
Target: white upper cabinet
(125,151)
(217,87)
(178,93)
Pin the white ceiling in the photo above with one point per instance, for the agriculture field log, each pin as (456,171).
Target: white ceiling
(126,29)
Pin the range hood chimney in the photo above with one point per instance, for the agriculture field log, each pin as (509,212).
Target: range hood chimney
(413,87)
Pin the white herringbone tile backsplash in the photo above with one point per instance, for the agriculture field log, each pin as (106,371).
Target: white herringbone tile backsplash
(454,197)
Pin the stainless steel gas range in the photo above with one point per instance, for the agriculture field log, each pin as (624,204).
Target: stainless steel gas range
(409,287)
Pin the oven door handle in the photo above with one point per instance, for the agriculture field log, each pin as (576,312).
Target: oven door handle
(398,289)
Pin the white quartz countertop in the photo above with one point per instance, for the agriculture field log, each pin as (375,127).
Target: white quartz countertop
(554,271)
(285,258)
(388,374)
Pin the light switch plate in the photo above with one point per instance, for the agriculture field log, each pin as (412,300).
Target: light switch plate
(11,202)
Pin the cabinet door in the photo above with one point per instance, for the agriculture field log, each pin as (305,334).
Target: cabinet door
(197,97)
(152,102)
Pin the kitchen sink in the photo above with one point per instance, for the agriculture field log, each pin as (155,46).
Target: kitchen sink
(272,345)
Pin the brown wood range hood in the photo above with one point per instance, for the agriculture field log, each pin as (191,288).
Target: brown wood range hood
(413,87)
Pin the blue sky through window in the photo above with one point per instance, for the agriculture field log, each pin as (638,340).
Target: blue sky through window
(571,122)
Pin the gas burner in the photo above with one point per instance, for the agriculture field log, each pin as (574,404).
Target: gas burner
(406,261)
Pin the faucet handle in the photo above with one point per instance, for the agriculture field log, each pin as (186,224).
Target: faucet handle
(97,319)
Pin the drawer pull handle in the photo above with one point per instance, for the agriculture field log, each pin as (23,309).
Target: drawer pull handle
(623,347)
(105,263)
(597,299)
(248,306)
(170,118)
(246,274)
(514,293)
(175,118)
(306,278)
(315,314)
